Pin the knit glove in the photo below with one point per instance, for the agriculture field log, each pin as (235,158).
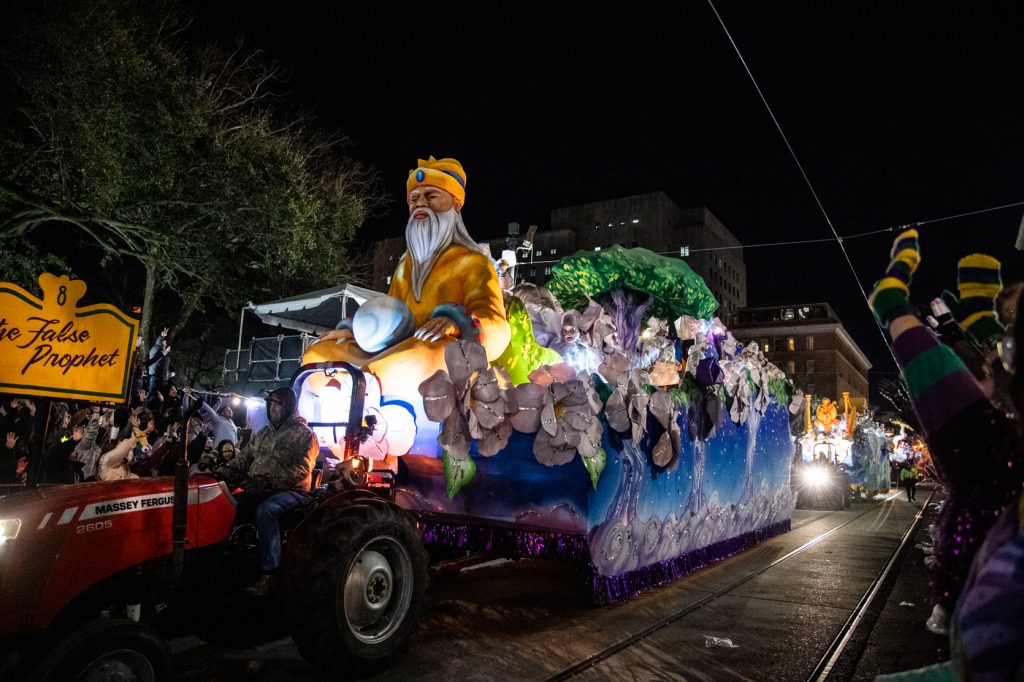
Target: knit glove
(979,281)
(888,300)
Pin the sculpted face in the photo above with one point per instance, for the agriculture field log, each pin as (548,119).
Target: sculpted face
(434,198)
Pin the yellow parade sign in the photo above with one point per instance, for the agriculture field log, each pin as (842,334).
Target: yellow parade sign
(51,347)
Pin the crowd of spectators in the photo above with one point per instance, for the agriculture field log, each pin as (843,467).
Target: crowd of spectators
(76,441)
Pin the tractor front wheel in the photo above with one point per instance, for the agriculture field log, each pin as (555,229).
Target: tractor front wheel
(108,649)
(358,583)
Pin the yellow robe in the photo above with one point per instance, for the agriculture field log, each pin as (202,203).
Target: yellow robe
(460,276)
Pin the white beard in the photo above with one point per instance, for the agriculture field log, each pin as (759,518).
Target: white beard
(427,238)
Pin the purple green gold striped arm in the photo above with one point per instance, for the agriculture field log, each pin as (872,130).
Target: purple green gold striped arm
(939,384)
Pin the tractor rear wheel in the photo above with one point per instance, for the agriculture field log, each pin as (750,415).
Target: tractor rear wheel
(358,582)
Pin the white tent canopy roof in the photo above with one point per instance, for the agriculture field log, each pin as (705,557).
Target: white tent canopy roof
(315,312)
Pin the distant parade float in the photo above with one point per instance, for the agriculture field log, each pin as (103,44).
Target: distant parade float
(609,418)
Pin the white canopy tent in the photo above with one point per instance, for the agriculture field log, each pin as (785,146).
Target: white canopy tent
(312,313)
(308,314)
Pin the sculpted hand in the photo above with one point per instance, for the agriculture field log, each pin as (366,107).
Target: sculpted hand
(337,335)
(437,327)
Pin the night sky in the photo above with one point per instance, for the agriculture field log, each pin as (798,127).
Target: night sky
(899,112)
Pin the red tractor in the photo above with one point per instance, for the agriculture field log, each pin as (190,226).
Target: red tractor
(89,571)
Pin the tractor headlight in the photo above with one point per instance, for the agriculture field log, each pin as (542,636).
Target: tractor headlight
(9,529)
(817,477)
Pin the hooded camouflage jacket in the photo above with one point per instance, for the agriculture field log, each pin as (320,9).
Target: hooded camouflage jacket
(284,456)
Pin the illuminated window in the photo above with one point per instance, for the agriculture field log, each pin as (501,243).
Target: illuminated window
(539,252)
(636,220)
(547,271)
(810,343)
(554,251)
(791,343)
(790,367)
(389,279)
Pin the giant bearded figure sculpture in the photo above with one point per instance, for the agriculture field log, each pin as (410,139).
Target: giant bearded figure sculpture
(449,286)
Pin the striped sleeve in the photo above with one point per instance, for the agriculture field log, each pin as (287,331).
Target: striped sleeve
(938,381)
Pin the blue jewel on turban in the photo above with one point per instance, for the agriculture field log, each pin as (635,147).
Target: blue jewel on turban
(419,176)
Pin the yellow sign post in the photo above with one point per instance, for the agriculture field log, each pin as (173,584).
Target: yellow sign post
(51,347)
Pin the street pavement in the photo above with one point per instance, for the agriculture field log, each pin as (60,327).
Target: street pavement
(528,620)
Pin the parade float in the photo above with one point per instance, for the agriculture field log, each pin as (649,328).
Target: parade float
(845,450)
(609,419)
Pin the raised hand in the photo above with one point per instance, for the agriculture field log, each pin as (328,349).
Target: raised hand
(979,282)
(889,299)
(12,440)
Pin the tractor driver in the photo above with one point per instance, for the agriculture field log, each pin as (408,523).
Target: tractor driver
(277,466)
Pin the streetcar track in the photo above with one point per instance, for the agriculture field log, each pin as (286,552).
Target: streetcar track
(842,640)
(627,642)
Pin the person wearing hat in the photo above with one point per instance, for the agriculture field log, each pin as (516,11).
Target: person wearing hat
(450,287)
(505,276)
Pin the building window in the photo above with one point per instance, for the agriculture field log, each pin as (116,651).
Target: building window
(764,345)
(810,343)
(554,251)
(597,248)
(636,220)
(810,367)
(389,279)
(778,345)
(547,271)
(790,367)
(597,226)
(539,252)
(790,343)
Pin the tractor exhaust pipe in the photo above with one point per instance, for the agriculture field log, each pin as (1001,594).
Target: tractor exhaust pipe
(180,508)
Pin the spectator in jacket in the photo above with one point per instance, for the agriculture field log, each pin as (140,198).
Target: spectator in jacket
(221,421)
(56,466)
(908,477)
(159,363)
(116,463)
(279,464)
(977,452)
(87,452)
(12,449)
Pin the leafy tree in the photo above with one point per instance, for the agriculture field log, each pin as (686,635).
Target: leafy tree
(178,158)
(21,263)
